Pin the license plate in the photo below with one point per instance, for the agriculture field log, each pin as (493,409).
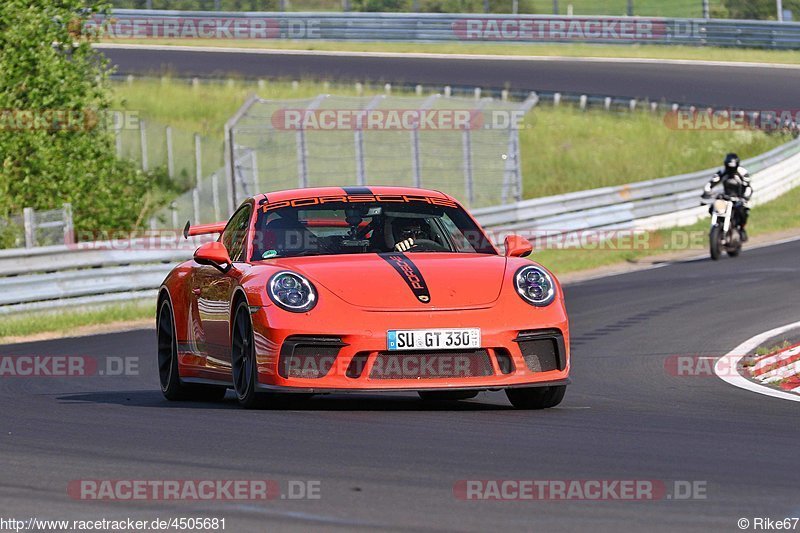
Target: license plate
(433,339)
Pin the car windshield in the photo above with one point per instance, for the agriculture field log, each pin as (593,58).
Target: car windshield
(286,229)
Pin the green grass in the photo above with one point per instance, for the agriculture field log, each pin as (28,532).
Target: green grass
(777,215)
(31,323)
(493,48)
(769,350)
(563,148)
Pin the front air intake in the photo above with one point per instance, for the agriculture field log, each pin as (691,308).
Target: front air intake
(542,350)
(308,357)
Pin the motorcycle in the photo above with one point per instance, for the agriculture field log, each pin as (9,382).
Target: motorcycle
(725,233)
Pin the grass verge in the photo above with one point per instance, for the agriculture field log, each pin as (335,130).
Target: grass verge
(789,57)
(67,321)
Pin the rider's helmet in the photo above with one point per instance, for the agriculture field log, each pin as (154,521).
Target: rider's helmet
(731,162)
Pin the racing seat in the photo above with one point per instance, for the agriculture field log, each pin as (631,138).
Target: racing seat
(283,235)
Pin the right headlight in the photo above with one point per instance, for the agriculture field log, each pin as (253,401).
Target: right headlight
(535,285)
(292,292)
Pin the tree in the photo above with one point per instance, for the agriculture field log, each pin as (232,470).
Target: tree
(55,142)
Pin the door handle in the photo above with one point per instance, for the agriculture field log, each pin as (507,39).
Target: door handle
(197,291)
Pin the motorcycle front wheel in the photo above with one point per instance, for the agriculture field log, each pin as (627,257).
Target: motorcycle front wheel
(715,242)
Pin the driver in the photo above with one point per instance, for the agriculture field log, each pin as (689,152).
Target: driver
(407,231)
(735,181)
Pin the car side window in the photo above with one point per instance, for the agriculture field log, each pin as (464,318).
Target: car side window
(235,234)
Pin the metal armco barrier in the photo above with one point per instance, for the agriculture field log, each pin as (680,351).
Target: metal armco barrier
(435,27)
(67,276)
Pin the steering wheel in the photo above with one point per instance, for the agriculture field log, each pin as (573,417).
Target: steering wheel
(427,245)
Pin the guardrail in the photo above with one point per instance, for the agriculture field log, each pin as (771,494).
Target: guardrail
(436,27)
(52,277)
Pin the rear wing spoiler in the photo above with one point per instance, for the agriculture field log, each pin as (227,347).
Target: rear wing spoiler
(203,229)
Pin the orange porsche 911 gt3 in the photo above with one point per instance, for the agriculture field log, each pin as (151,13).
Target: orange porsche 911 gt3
(329,290)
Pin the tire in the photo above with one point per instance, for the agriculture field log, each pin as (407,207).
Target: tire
(243,361)
(168,374)
(446,395)
(715,242)
(536,397)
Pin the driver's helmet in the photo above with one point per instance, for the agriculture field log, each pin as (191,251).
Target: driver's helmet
(731,162)
(410,228)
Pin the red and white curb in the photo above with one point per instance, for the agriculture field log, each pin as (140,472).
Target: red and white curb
(781,368)
(768,369)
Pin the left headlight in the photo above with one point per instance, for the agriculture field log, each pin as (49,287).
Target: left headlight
(535,285)
(292,292)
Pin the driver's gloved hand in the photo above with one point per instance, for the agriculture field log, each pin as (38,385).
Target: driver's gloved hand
(404,245)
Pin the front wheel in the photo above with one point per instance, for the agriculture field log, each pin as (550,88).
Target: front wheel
(715,242)
(243,360)
(536,397)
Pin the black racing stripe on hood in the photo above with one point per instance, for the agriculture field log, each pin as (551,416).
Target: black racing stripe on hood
(410,274)
(356,190)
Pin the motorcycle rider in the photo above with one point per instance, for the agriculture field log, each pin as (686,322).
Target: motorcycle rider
(735,181)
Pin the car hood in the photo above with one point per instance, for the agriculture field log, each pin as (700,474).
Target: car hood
(397,281)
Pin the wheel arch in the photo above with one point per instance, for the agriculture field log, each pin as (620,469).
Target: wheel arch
(237,297)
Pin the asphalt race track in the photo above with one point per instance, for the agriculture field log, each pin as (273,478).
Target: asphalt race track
(746,87)
(390,462)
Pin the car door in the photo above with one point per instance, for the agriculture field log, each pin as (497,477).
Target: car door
(213,291)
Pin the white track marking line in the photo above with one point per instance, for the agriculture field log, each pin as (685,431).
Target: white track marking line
(429,55)
(731,360)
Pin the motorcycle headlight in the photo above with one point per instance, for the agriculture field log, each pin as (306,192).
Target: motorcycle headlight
(535,285)
(292,292)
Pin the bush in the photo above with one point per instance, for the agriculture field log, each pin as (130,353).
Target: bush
(46,164)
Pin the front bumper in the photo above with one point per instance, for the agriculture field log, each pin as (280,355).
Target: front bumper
(296,353)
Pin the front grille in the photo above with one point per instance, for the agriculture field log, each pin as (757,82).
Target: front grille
(308,357)
(431,364)
(542,350)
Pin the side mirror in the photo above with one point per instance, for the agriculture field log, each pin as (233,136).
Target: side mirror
(214,254)
(517,246)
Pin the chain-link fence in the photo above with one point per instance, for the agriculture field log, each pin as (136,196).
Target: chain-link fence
(182,154)
(468,147)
